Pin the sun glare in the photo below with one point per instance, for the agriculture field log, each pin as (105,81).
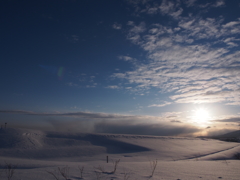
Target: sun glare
(201,116)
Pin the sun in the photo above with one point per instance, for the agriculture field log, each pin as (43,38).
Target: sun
(201,116)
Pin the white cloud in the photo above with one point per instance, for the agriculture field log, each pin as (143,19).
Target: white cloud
(117,26)
(135,2)
(128,87)
(193,59)
(90,86)
(204,6)
(113,87)
(167,7)
(73,38)
(152,10)
(160,105)
(190,2)
(231,24)
(126,58)
(135,31)
(219,3)
(72,84)
(172,7)
(177,13)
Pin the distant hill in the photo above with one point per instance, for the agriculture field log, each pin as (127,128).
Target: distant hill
(232,136)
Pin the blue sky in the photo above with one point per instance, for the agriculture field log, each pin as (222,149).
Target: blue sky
(127,66)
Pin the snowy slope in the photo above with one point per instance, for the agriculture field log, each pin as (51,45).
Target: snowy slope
(36,152)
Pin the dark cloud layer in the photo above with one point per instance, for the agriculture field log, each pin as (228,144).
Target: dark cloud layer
(110,123)
(233,119)
(16,112)
(143,129)
(86,115)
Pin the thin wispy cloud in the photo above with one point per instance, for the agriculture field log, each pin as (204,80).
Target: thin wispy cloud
(113,87)
(175,121)
(80,115)
(72,38)
(172,8)
(135,31)
(71,84)
(126,58)
(160,105)
(86,115)
(117,26)
(190,2)
(219,3)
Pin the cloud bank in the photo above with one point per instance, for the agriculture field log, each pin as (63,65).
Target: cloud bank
(166,125)
(111,123)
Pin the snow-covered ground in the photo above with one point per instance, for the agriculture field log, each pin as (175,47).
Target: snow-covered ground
(37,154)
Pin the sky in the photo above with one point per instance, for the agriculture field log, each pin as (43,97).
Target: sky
(166,67)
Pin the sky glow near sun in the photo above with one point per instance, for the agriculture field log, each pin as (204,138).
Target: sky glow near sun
(134,61)
(201,116)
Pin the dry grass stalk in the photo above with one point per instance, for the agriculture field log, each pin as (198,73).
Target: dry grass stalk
(153,165)
(9,170)
(54,174)
(100,168)
(64,172)
(98,175)
(81,171)
(115,164)
(126,175)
